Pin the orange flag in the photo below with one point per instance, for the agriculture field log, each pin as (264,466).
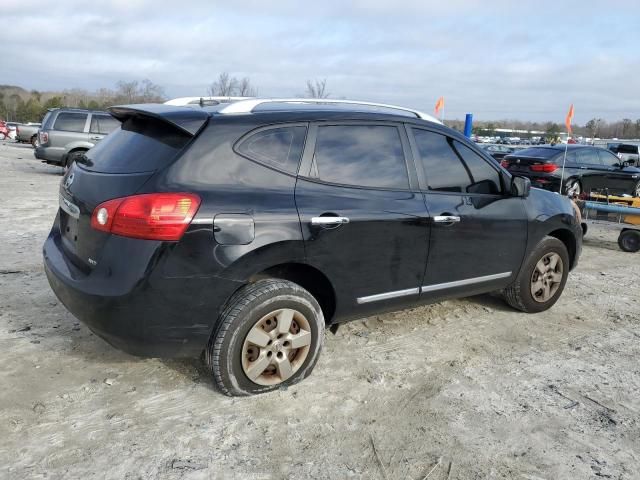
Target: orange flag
(569,119)
(439,105)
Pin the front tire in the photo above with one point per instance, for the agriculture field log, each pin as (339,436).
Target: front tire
(541,279)
(268,336)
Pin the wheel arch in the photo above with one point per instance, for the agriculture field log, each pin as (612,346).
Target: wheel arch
(309,278)
(569,240)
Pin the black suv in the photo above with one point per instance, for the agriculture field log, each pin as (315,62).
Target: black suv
(586,168)
(244,230)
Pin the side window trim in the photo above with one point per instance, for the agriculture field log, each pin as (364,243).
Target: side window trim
(274,126)
(308,168)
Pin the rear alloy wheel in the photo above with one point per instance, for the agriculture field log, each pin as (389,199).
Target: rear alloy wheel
(268,336)
(541,279)
(573,188)
(629,240)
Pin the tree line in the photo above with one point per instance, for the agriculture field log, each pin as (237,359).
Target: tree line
(20,105)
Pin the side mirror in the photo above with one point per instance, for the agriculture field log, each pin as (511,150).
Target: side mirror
(520,186)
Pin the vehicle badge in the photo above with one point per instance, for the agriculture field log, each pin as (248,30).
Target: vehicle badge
(69,181)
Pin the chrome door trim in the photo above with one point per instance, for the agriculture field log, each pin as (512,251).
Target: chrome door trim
(388,295)
(462,283)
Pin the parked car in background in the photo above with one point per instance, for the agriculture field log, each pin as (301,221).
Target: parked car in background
(627,152)
(498,151)
(4,130)
(243,232)
(10,130)
(586,168)
(67,133)
(28,133)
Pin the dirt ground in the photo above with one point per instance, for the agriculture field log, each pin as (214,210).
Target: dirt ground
(463,389)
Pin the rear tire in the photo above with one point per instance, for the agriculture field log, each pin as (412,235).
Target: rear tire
(629,241)
(268,336)
(34,141)
(541,279)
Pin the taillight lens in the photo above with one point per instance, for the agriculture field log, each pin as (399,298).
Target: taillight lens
(44,137)
(504,163)
(544,167)
(151,216)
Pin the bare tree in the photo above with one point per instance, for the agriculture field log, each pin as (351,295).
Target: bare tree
(245,89)
(126,91)
(149,92)
(317,89)
(225,86)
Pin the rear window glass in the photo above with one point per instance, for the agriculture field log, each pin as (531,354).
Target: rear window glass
(140,145)
(278,147)
(536,152)
(70,122)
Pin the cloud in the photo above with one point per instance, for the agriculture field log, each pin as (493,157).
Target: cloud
(499,60)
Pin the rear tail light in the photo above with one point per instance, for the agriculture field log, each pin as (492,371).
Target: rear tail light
(151,216)
(544,167)
(44,137)
(504,163)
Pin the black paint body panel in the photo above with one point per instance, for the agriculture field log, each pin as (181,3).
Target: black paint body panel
(164,298)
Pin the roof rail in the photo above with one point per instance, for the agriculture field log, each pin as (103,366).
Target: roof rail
(247,106)
(200,100)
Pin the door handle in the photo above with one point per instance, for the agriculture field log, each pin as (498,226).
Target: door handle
(450,219)
(96,138)
(329,221)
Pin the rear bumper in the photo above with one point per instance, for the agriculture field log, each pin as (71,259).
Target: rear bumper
(132,306)
(49,154)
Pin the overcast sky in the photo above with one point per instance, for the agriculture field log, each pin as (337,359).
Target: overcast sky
(497,59)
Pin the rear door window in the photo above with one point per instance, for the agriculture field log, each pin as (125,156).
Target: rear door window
(70,122)
(103,124)
(361,155)
(588,156)
(278,147)
(141,144)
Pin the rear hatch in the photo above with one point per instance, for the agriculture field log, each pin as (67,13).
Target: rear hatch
(119,166)
(536,160)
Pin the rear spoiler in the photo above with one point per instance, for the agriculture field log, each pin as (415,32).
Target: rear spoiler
(188,120)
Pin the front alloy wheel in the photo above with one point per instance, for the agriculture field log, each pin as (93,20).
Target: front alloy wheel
(547,277)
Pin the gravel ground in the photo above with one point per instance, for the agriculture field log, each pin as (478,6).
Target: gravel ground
(463,389)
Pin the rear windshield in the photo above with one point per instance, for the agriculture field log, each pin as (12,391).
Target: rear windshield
(536,152)
(139,145)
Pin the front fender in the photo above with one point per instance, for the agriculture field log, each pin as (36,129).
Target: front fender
(552,214)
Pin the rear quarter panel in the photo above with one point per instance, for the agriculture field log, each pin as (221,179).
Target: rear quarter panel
(232,184)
